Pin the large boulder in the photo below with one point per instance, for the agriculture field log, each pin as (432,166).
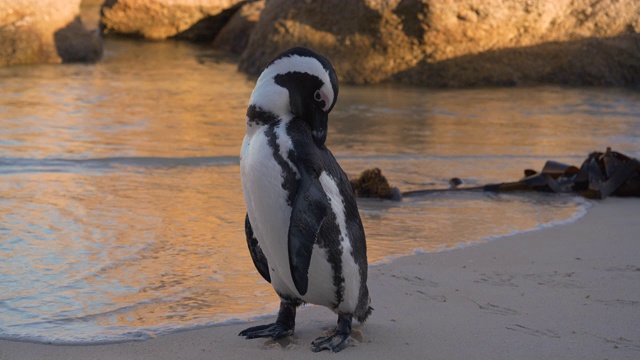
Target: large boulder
(592,61)
(365,40)
(45,31)
(457,43)
(234,36)
(195,20)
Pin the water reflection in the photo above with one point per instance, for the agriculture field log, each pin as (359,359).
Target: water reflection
(107,104)
(543,121)
(133,247)
(121,212)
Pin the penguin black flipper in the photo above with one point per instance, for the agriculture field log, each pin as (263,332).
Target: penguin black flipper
(308,214)
(259,260)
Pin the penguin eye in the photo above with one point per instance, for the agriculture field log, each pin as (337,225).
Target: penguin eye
(322,100)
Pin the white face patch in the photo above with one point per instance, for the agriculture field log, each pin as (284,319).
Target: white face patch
(272,97)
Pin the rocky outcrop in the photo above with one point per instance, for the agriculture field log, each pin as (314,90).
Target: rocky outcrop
(234,36)
(45,31)
(457,43)
(195,20)
(365,40)
(592,61)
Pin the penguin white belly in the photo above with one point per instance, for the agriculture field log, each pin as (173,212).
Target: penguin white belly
(266,201)
(321,290)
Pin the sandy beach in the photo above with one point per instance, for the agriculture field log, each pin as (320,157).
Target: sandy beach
(567,292)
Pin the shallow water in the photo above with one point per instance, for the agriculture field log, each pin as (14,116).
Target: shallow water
(121,213)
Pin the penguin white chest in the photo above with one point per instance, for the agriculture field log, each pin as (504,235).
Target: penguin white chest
(263,158)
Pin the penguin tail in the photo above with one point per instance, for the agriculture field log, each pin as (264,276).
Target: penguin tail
(362,316)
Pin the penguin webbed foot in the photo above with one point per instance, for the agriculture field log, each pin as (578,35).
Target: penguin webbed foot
(275,331)
(337,341)
(284,325)
(334,343)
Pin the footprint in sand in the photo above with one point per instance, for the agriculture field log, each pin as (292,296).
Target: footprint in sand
(533,332)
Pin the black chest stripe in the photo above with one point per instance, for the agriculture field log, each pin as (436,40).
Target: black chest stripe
(260,117)
(289,183)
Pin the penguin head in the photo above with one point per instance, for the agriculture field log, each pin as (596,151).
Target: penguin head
(299,84)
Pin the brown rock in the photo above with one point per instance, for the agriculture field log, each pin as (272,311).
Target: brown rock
(587,62)
(45,31)
(75,44)
(90,13)
(458,28)
(457,43)
(365,40)
(195,20)
(234,36)
(372,184)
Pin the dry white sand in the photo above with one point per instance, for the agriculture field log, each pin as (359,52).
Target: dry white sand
(568,292)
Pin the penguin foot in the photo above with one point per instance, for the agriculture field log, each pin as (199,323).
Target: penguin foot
(334,343)
(340,338)
(284,325)
(274,331)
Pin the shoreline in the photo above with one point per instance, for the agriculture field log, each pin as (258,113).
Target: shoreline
(565,291)
(141,333)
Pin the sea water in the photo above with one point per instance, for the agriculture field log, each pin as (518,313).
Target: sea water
(121,211)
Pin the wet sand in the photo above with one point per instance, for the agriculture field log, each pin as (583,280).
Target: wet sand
(568,292)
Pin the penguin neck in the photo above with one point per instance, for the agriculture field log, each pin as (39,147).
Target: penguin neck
(259,116)
(269,96)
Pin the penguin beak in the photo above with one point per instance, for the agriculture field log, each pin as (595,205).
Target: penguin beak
(318,124)
(320,117)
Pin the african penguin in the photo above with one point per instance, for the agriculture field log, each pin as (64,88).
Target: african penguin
(303,228)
